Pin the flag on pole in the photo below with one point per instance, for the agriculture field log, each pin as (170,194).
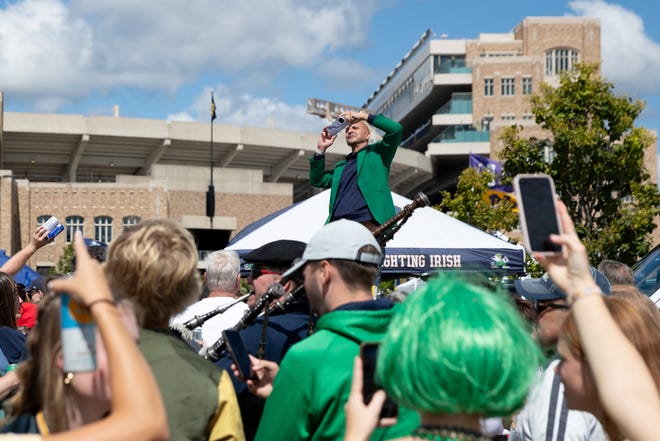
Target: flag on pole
(213,115)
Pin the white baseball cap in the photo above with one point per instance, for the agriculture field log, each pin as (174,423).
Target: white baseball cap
(342,240)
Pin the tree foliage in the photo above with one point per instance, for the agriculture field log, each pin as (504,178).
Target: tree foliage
(469,205)
(64,263)
(597,162)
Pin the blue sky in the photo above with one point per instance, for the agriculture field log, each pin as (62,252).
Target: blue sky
(263,58)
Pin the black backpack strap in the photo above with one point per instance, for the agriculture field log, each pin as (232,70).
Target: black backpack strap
(552,408)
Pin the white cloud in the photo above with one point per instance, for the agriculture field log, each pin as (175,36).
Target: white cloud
(344,73)
(44,52)
(631,59)
(181,116)
(160,44)
(58,51)
(242,109)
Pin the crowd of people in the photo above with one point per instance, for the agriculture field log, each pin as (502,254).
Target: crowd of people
(572,355)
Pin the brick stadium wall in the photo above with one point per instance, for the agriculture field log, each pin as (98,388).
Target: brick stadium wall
(32,200)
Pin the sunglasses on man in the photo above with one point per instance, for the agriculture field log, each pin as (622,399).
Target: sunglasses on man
(541,307)
(256,271)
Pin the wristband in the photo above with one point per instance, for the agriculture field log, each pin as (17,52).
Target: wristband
(579,294)
(319,152)
(103,300)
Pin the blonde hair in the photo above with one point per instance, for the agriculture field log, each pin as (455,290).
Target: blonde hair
(154,264)
(641,301)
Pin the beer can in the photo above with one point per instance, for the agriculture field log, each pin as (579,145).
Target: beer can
(50,223)
(55,231)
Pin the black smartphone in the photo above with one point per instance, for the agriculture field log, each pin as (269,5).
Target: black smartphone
(537,208)
(238,353)
(369,355)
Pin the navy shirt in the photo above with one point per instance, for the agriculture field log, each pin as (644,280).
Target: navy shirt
(350,203)
(12,344)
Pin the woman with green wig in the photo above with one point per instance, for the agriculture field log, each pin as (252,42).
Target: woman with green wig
(455,353)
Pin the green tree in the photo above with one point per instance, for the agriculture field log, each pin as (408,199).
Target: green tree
(469,205)
(597,162)
(64,263)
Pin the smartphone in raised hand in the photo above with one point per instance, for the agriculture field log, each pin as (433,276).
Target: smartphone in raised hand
(369,355)
(537,208)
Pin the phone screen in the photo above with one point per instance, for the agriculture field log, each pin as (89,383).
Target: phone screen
(238,353)
(369,355)
(535,195)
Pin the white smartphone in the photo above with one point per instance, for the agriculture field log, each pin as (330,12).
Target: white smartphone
(537,208)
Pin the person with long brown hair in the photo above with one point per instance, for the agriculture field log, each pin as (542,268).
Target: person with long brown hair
(51,399)
(12,341)
(135,411)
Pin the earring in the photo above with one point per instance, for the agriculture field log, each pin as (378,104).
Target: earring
(68,378)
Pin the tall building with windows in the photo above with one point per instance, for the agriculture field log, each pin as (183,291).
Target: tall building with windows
(453,96)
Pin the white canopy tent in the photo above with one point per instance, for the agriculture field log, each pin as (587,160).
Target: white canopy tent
(429,241)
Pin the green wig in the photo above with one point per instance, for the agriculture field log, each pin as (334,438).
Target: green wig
(457,348)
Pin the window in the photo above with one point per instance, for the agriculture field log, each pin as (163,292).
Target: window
(508,117)
(527,85)
(508,86)
(103,228)
(129,221)
(489,86)
(73,224)
(528,117)
(42,219)
(559,60)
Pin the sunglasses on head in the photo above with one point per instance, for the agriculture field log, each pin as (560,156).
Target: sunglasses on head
(540,307)
(256,271)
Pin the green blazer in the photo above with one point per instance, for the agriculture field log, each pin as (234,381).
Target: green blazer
(373,169)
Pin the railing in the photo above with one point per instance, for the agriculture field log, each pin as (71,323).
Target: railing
(460,103)
(419,132)
(462,134)
(449,66)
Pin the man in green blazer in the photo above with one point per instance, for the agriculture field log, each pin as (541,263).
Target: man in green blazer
(360,191)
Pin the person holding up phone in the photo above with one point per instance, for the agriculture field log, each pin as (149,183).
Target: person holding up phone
(626,389)
(455,352)
(359,187)
(135,410)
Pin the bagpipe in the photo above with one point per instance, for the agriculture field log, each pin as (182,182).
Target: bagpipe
(386,231)
(214,351)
